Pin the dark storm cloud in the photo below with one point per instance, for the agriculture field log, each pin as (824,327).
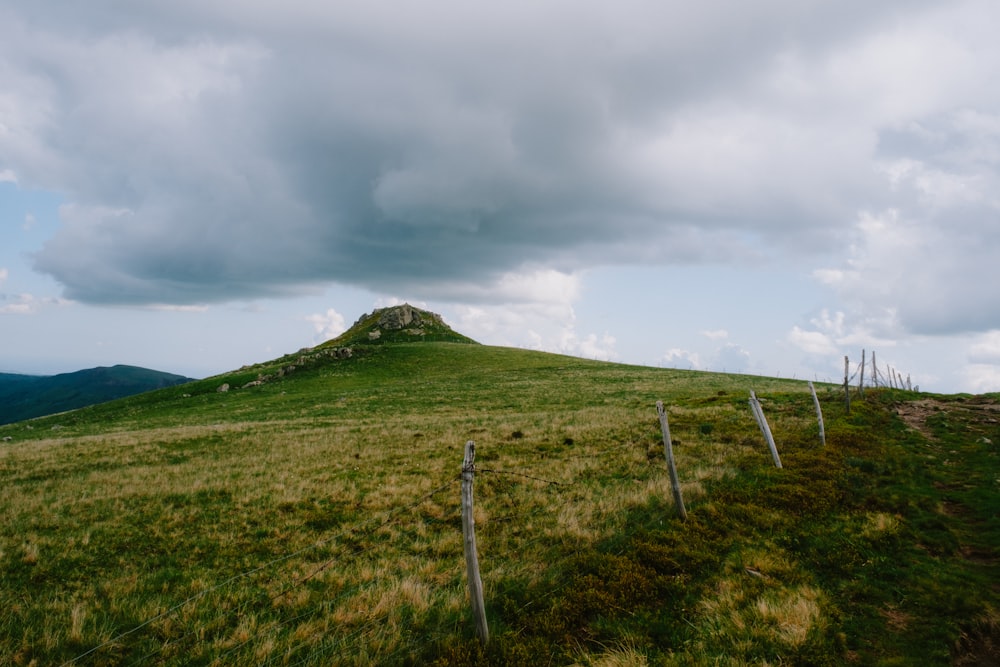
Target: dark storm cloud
(224,150)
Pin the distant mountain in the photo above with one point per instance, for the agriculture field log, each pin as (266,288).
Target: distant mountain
(28,396)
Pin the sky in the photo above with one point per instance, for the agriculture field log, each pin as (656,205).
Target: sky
(760,188)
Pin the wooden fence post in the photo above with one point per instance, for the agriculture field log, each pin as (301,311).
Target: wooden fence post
(819,414)
(847,388)
(469,533)
(861,381)
(874,371)
(668,449)
(758,414)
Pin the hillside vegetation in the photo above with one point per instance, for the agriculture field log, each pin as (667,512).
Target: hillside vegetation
(27,396)
(310,515)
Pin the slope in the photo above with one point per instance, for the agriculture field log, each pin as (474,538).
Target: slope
(309,514)
(28,396)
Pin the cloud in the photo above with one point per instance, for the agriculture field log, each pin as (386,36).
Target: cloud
(732,358)
(590,346)
(986,349)
(834,332)
(194,308)
(679,358)
(19,304)
(538,316)
(217,151)
(934,276)
(328,325)
(812,342)
(28,304)
(717,334)
(980,378)
(7,176)
(4,274)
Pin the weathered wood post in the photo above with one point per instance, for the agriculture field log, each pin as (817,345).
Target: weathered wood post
(861,381)
(819,414)
(847,388)
(874,370)
(758,414)
(668,450)
(469,533)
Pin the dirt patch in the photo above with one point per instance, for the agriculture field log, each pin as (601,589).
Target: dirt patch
(981,410)
(896,620)
(915,413)
(979,645)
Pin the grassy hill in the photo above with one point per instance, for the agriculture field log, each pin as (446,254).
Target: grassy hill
(306,511)
(27,396)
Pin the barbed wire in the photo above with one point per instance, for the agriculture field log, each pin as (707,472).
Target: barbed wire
(525,475)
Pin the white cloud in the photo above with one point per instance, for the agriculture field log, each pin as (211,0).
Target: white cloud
(327,325)
(4,273)
(986,349)
(679,358)
(981,378)
(936,279)
(29,221)
(716,334)
(548,323)
(7,175)
(526,286)
(812,342)
(590,346)
(732,358)
(833,333)
(170,308)
(21,304)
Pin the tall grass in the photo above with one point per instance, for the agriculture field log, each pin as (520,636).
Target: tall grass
(314,519)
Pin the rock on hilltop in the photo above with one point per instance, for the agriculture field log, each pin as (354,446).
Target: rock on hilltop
(398,324)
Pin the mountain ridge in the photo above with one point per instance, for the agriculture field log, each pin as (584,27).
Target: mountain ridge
(30,396)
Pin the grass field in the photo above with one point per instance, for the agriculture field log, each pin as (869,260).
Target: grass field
(314,519)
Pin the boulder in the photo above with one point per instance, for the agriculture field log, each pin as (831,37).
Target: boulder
(399,317)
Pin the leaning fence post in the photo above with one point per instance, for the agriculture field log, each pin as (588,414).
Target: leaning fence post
(668,449)
(469,533)
(758,414)
(819,414)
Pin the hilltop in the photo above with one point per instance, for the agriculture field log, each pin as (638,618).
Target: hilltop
(398,324)
(28,396)
(310,514)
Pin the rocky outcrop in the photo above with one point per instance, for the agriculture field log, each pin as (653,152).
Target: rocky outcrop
(306,357)
(398,324)
(399,317)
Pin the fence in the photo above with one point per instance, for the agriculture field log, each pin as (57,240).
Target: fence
(877,377)
(326,648)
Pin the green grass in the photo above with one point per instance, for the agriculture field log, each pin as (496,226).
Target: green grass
(314,519)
